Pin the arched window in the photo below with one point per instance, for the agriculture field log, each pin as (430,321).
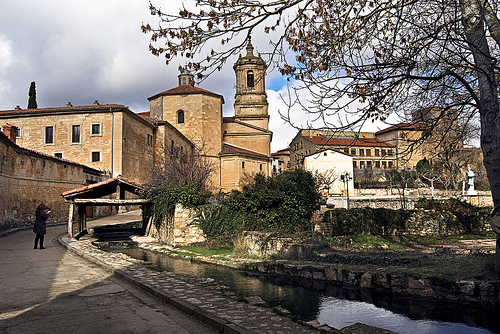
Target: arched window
(184,82)
(180,117)
(250,79)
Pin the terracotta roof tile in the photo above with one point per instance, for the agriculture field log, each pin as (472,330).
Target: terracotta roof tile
(228,149)
(146,116)
(61,109)
(117,179)
(185,90)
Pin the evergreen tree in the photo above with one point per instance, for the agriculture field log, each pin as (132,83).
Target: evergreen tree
(32,97)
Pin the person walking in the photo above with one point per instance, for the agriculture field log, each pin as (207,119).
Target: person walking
(40,227)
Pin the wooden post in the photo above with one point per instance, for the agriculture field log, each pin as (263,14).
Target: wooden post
(70,220)
(497,255)
(81,218)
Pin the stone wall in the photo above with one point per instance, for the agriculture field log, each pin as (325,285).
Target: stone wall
(390,199)
(261,244)
(28,178)
(179,230)
(414,285)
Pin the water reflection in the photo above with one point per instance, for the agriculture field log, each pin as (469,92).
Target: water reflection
(335,305)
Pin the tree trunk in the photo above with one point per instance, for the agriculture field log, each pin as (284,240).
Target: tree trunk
(488,103)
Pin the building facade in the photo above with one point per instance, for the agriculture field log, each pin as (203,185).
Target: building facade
(117,141)
(366,151)
(28,178)
(236,146)
(328,166)
(109,137)
(280,161)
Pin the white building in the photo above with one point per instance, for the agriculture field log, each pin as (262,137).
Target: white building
(332,165)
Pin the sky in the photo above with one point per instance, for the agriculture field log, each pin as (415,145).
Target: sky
(82,51)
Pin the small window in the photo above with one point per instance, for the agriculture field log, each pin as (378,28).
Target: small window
(18,133)
(377,153)
(96,129)
(384,164)
(96,156)
(390,164)
(150,140)
(361,152)
(353,151)
(346,150)
(324,154)
(377,164)
(368,152)
(58,155)
(180,117)
(261,167)
(49,135)
(184,82)
(250,79)
(361,164)
(75,134)
(369,164)
(243,165)
(383,153)
(389,152)
(354,165)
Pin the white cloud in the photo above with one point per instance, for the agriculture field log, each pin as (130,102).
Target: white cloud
(5,62)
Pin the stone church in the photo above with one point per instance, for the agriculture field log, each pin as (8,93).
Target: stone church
(117,141)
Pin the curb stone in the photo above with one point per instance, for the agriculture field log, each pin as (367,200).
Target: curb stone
(221,313)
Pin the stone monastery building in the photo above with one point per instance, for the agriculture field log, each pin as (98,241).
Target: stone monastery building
(117,141)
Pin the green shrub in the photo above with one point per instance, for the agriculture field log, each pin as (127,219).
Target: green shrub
(469,218)
(282,203)
(367,220)
(164,199)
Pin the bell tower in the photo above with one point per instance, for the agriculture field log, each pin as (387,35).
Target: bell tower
(250,100)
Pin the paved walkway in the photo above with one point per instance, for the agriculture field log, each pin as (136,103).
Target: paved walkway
(55,291)
(52,290)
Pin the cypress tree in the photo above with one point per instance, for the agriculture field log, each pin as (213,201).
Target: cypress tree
(32,97)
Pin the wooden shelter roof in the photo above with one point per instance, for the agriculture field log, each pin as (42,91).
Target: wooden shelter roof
(104,188)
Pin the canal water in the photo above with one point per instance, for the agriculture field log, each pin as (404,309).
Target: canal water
(334,305)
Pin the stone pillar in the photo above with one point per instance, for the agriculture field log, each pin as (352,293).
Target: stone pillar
(70,220)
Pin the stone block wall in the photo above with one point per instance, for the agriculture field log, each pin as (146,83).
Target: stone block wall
(28,178)
(260,244)
(180,230)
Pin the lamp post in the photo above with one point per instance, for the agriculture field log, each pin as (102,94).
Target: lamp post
(346,177)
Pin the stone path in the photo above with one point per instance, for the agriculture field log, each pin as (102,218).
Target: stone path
(54,291)
(222,313)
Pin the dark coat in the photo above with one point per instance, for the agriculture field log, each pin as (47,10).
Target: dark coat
(40,225)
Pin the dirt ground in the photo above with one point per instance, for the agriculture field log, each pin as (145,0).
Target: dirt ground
(452,259)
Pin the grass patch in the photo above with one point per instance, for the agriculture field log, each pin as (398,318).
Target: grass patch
(182,253)
(204,251)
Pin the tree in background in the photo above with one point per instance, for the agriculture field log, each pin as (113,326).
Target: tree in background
(177,168)
(32,97)
(325,180)
(392,57)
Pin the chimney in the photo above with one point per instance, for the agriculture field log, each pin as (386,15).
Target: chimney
(69,104)
(10,131)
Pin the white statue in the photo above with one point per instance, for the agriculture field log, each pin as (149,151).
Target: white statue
(470,182)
